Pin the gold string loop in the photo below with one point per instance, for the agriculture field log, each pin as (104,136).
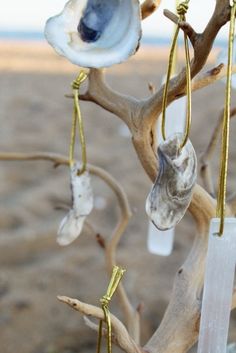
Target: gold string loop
(77,118)
(182,8)
(117,274)
(221,197)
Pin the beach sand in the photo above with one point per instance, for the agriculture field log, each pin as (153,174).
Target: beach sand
(35,116)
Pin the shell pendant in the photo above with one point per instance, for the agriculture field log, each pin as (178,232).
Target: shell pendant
(172,191)
(82,205)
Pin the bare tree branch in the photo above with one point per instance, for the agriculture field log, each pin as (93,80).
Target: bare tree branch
(179,328)
(202,48)
(185,26)
(123,339)
(132,316)
(100,93)
(205,170)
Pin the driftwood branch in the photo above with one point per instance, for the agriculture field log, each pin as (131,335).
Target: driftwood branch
(122,337)
(179,328)
(205,168)
(185,26)
(131,315)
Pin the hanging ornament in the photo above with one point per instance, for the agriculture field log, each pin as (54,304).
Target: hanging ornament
(96,33)
(82,205)
(82,194)
(162,242)
(221,255)
(172,191)
(117,274)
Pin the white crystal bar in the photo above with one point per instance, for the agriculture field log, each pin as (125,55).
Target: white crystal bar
(161,242)
(218,288)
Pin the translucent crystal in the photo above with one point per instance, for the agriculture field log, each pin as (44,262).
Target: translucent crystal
(218,288)
(160,242)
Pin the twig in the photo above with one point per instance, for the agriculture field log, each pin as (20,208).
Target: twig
(185,26)
(123,339)
(132,317)
(205,170)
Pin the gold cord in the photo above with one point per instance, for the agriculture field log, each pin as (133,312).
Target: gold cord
(77,117)
(182,8)
(175,55)
(117,274)
(221,197)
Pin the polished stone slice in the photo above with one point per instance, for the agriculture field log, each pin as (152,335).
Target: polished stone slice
(218,288)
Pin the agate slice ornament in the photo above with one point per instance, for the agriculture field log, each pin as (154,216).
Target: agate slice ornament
(172,191)
(82,205)
(96,33)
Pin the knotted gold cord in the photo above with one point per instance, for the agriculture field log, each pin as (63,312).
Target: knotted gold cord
(77,117)
(221,197)
(117,274)
(181,10)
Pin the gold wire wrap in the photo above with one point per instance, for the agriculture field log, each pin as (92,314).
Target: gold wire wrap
(117,274)
(182,8)
(221,197)
(78,118)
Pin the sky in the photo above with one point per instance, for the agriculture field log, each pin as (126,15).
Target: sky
(32,15)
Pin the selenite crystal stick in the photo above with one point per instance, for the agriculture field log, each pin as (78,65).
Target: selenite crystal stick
(218,287)
(161,242)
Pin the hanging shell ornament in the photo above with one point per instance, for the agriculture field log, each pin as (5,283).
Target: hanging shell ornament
(172,191)
(82,205)
(96,33)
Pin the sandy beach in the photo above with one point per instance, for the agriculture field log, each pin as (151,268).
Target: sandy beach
(36,117)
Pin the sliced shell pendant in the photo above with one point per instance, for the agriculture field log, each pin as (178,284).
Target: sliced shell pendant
(172,191)
(82,205)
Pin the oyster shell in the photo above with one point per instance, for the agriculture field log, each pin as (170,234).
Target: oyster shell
(82,204)
(172,191)
(96,33)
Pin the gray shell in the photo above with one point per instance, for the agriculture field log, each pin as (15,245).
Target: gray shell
(172,191)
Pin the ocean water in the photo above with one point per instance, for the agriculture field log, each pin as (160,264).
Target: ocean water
(146,40)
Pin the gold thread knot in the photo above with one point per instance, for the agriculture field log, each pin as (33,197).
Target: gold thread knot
(116,276)
(79,79)
(182,8)
(105,300)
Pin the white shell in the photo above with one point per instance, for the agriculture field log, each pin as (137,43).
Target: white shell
(82,193)
(114,31)
(70,228)
(82,204)
(172,191)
